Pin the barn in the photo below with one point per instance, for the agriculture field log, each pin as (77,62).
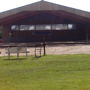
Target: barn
(44,21)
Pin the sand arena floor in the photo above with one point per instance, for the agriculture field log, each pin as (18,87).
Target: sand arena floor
(56,50)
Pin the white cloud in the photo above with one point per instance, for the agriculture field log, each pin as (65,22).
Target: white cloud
(80,4)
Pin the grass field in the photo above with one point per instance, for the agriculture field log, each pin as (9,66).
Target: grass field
(53,72)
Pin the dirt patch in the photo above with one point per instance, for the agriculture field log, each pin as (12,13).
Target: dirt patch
(57,50)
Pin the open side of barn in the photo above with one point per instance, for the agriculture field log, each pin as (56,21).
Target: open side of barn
(45,21)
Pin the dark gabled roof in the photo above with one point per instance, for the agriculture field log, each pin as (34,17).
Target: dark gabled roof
(43,6)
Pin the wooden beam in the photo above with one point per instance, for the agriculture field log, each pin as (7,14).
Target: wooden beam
(60,14)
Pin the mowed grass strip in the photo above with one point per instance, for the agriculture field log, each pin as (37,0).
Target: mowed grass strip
(51,72)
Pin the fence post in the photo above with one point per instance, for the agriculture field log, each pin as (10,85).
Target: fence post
(8,52)
(26,52)
(17,52)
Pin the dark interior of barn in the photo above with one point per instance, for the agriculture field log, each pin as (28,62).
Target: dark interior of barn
(45,25)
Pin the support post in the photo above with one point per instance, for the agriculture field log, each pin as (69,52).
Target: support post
(26,52)
(44,48)
(8,52)
(17,52)
(87,38)
(44,45)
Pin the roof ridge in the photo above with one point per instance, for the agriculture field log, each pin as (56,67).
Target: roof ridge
(44,5)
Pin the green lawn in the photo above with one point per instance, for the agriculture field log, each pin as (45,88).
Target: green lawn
(52,72)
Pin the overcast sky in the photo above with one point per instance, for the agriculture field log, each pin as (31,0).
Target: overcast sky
(10,4)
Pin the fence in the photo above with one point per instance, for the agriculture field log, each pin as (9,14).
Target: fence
(50,50)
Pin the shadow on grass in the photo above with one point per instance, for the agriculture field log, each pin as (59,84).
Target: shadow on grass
(22,58)
(36,57)
(14,58)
